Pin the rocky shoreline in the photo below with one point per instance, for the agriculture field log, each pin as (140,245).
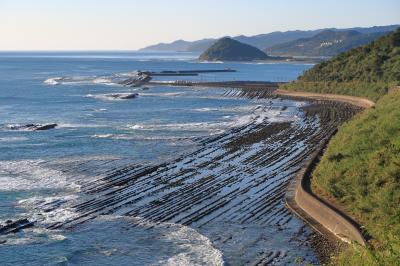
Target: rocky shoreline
(236,179)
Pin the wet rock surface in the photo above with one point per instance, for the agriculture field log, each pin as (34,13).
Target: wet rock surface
(14,226)
(33,127)
(231,189)
(123,96)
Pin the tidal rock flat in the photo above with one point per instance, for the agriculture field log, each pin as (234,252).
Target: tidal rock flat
(230,190)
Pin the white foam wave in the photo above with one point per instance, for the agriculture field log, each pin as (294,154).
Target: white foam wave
(13,139)
(209,62)
(29,175)
(136,137)
(72,125)
(102,81)
(97,110)
(199,126)
(206,109)
(48,210)
(199,249)
(53,81)
(88,80)
(174,244)
(34,236)
(256,116)
(102,136)
(167,94)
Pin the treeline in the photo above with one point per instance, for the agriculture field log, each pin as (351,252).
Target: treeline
(367,71)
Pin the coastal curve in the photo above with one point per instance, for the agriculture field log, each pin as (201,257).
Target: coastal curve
(322,216)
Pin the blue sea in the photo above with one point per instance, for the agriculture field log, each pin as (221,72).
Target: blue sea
(160,124)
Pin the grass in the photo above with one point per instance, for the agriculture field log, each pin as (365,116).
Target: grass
(372,91)
(361,171)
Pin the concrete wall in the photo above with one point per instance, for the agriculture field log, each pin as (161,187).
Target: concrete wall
(299,198)
(323,217)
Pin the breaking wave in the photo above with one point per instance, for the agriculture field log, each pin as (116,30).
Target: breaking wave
(113,79)
(149,243)
(31,175)
(258,114)
(13,139)
(135,137)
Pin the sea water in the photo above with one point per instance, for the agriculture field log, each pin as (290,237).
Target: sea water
(159,125)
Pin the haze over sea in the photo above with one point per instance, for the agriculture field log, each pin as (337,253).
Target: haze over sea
(95,133)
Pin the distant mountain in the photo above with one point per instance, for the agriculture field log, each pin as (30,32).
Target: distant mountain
(200,46)
(180,46)
(227,49)
(374,29)
(176,46)
(264,41)
(261,41)
(325,43)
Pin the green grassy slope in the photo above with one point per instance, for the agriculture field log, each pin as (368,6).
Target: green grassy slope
(366,71)
(361,170)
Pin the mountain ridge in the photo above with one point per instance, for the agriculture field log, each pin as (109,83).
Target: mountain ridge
(261,41)
(325,43)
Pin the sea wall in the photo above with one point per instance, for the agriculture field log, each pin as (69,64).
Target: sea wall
(323,217)
(319,214)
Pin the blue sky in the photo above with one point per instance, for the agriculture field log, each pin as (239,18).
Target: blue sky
(131,24)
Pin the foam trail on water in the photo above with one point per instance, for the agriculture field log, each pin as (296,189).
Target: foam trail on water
(113,79)
(29,175)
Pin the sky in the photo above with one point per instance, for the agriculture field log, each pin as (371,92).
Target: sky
(132,24)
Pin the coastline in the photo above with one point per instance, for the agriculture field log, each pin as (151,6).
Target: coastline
(239,178)
(250,189)
(343,228)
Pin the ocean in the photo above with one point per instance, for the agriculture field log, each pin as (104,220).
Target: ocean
(41,172)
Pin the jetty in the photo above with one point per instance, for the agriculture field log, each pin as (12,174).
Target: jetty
(144,77)
(267,85)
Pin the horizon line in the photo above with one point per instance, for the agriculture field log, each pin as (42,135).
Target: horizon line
(169,42)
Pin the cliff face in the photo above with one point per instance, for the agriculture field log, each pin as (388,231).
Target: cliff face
(227,49)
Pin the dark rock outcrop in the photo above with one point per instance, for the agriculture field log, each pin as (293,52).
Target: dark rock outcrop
(15,226)
(33,127)
(123,96)
(138,81)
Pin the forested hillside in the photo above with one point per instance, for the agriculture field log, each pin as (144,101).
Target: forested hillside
(367,71)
